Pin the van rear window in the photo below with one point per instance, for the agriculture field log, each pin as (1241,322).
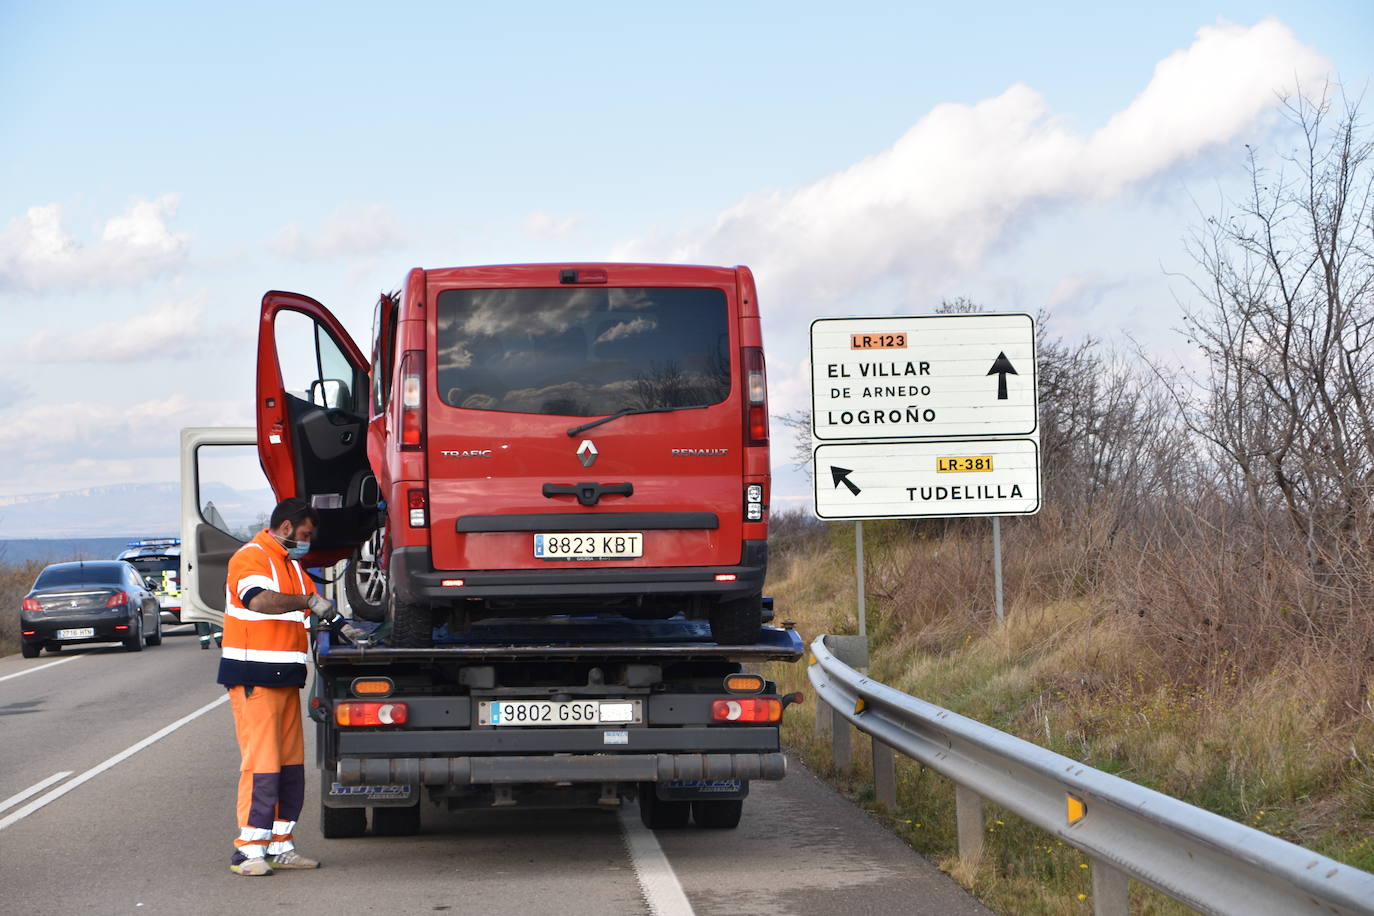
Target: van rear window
(582,352)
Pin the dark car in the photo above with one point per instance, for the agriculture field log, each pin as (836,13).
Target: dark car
(99,601)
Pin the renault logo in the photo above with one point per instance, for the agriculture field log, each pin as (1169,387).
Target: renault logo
(586,453)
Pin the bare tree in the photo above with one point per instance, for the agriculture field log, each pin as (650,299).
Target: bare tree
(1284,326)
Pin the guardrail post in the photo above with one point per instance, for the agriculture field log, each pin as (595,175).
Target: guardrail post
(843,741)
(822,717)
(968,814)
(884,775)
(1111,890)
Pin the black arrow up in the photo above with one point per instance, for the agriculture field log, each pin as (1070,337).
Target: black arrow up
(1002,367)
(841,476)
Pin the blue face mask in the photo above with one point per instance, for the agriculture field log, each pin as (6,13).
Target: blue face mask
(298,549)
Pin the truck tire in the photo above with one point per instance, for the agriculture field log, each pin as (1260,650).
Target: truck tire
(342,823)
(723,814)
(657,814)
(737,622)
(412,625)
(365,579)
(389,821)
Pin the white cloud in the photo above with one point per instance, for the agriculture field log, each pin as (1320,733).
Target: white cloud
(171,329)
(349,231)
(541,225)
(930,207)
(46,438)
(37,252)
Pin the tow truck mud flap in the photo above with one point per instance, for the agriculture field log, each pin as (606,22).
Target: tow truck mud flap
(702,789)
(467,771)
(372,795)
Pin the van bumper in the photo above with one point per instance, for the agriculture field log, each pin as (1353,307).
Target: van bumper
(416,581)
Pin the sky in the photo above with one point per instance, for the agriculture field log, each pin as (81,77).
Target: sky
(162,165)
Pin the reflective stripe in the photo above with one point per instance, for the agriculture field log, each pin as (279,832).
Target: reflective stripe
(245,614)
(272,657)
(254,851)
(250,834)
(276,849)
(248,582)
(283,828)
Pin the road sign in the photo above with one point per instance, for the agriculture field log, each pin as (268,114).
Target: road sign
(961,477)
(928,377)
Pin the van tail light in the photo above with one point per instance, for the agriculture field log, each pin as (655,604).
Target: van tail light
(32,606)
(118,599)
(747,709)
(756,389)
(418,504)
(412,401)
(365,714)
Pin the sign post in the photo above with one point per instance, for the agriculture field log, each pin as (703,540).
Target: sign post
(925,417)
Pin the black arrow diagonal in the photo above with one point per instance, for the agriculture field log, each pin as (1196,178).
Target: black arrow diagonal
(1002,367)
(841,476)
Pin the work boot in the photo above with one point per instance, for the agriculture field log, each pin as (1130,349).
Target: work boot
(292,859)
(252,868)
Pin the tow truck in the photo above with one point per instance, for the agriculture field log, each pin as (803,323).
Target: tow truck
(560,711)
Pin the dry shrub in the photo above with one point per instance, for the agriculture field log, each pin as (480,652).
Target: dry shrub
(15,582)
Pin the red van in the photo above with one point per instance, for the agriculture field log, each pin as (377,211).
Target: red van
(530,440)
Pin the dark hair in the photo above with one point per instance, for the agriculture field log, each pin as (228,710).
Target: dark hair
(294,510)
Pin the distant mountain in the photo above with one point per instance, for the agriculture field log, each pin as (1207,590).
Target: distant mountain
(125,511)
(57,550)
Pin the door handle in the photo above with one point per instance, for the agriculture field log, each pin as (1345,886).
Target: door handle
(588,493)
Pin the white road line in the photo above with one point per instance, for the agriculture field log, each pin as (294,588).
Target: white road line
(102,767)
(60,661)
(33,789)
(657,882)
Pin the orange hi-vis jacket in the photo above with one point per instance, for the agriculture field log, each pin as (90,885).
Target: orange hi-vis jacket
(264,650)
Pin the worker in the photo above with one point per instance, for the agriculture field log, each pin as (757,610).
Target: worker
(207,631)
(263,665)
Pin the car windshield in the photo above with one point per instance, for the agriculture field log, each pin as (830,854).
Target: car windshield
(583,352)
(83,574)
(154,566)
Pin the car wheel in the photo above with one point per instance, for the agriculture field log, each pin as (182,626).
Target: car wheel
(657,814)
(342,823)
(723,814)
(390,821)
(135,641)
(29,650)
(412,625)
(155,639)
(365,579)
(737,622)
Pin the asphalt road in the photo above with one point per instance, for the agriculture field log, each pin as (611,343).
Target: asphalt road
(121,824)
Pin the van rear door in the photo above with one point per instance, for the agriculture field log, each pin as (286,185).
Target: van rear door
(312,405)
(525,364)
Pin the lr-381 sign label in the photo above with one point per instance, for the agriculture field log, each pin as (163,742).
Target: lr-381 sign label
(926,377)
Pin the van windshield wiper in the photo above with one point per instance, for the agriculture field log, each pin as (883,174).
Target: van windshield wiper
(625,413)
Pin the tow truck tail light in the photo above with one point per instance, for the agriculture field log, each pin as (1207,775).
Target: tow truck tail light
(756,388)
(369,714)
(747,709)
(412,401)
(32,606)
(417,502)
(117,599)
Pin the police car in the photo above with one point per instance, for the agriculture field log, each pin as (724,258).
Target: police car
(158,559)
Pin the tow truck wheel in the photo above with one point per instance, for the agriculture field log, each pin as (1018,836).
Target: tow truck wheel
(718,815)
(365,579)
(390,821)
(657,814)
(342,823)
(412,625)
(737,622)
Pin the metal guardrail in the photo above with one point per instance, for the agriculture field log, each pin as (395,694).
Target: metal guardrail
(1201,859)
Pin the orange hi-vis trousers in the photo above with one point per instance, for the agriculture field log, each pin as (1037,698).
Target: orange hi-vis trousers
(272,774)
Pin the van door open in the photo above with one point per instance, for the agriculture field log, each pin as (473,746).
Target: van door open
(208,495)
(312,409)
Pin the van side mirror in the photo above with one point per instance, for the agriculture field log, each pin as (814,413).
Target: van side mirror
(330,393)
